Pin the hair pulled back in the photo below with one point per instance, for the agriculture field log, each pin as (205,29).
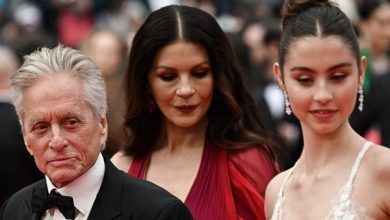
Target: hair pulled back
(292,8)
(321,18)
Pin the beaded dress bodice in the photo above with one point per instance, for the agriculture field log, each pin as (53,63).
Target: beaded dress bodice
(345,208)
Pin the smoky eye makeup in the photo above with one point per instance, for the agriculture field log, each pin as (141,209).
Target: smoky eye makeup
(167,76)
(338,76)
(304,80)
(164,73)
(201,72)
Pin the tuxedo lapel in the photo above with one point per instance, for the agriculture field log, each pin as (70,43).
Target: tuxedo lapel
(24,209)
(25,212)
(108,202)
(36,216)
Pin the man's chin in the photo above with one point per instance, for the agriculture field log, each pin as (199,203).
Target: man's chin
(63,177)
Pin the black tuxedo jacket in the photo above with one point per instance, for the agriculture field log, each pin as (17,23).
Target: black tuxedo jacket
(121,197)
(17,167)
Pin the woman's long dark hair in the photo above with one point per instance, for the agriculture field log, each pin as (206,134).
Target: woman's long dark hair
(234,122)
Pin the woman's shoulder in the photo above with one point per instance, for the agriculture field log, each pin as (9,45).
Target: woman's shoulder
(254,160)
(378,172)
(255,165)
(272,191)
(122,161)
(252,153)
(377,160)
(277,181)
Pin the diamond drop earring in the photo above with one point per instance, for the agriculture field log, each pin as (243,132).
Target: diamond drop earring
(361,98)
(287,103)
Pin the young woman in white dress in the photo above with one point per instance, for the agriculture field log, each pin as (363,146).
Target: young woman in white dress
(339,175)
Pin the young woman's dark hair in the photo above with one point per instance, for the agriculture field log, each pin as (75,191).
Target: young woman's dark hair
(308,18)
(233,119)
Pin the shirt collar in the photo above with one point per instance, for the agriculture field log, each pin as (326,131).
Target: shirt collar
(84,189)
(5,96)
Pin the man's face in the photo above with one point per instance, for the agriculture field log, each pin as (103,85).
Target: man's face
(60,129)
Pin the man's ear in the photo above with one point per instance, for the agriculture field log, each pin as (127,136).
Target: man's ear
(30,151)
(278,75)
(103,130)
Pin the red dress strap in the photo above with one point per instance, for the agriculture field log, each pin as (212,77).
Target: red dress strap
(138,167)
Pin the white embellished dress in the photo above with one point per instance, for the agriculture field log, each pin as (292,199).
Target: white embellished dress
(345,208)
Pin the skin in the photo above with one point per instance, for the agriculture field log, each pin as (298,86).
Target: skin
(182,86)
(321,84)
(60,129)
(321,78)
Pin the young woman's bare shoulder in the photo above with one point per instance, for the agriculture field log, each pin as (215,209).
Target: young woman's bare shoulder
(378,159)
(122,161)
(379,165)
(272,191)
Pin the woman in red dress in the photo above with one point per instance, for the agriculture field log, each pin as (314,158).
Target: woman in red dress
(194,127)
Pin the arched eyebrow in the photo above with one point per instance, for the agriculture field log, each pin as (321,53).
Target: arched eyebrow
(340,65)
(164,67)
(307,69)
(170,68)
(302,69)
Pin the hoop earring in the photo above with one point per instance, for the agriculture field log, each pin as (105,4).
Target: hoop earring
(286,103)
(361,98)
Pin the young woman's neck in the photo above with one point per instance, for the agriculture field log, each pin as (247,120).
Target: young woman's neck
(320,150)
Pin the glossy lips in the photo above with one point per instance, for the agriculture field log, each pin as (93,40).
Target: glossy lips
(323,114)
(186,108)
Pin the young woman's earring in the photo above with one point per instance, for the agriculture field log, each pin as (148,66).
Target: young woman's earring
(287,103)
(361,98)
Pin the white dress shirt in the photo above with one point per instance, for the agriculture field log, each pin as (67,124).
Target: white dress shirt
(83,190)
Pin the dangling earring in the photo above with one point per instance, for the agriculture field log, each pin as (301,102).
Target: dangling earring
(361,98)
(151,105)
(287,103)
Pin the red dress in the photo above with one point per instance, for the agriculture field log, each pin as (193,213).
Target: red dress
(228,186)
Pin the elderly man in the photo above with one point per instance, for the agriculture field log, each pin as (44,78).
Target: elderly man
(60,98)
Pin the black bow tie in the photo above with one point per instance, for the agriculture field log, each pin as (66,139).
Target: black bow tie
(41,201)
